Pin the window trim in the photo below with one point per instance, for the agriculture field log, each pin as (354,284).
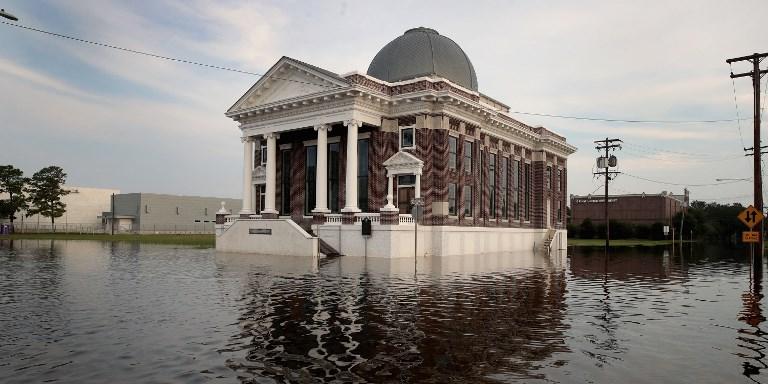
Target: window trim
(455,152)
(263,155)
(455,206)
(400,137)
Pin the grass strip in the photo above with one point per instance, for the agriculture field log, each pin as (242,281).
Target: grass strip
(201,240)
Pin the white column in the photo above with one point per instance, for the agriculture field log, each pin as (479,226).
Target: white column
(417,192)
(247,207)
(269,199)
(321,181)
(351,173)
(390,204)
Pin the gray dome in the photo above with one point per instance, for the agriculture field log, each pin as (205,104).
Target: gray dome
(423,52)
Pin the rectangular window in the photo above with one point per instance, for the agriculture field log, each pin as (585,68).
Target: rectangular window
(482,183)
(516,172)
(468,156)
(362,175)
(560,212)
(309,180)
(205,211)
(492,183)
(549,178)
(504,190)
(333,177)
(263,155)
(560,181)
(178,211)
(452,144)
(261,190)
(467,195)
(407,139)
(527,201)
(285,187)
(452,199)
(146,208)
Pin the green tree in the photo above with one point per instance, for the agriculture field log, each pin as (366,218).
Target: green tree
(12,182)
(587,230)
(45,193)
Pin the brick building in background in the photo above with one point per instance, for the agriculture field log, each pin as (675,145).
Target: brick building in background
(632,208)
(327,150)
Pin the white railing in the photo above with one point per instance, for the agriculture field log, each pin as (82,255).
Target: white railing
(406,218)
(374,217)
(333,218)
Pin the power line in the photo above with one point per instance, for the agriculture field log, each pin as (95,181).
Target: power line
(624,120)
(153,55)
(736,103)
(212,66)
(647,155)
(654,150)
(684,184)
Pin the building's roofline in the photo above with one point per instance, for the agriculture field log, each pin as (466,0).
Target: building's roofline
(147,194)
(601,196)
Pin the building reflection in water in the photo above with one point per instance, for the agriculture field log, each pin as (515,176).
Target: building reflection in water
(356,320)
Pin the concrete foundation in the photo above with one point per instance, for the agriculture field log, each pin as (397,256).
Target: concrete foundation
(400,241)
(278,237)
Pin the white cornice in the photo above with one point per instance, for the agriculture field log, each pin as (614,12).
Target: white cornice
(373,105)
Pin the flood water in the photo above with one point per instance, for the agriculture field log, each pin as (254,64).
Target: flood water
(94,312)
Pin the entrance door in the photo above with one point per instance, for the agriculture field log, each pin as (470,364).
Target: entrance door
(404,197)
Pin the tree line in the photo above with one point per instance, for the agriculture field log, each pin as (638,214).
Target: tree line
(712,222)
(39,194)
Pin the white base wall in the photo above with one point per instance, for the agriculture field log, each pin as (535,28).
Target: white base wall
(286,239)
(397,241)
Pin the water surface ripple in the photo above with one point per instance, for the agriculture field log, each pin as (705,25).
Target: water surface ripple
(93,312)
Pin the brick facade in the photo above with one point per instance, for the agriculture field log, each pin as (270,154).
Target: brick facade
(432,135)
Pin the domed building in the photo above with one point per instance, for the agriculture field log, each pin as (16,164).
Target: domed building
(355,164)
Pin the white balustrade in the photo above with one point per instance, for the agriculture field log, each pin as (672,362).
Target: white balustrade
(333,218)
(406,218)
(374,217)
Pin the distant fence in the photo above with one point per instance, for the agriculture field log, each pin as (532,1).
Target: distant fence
(193,228)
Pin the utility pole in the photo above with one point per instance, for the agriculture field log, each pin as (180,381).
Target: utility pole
(606,163)
(112,221)
(756,74)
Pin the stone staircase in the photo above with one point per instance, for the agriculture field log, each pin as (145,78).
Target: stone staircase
(546,245)
(326,249)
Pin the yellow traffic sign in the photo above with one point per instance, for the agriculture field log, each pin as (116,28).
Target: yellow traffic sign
(751,217)
(750,237)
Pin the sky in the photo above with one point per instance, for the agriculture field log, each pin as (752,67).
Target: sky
(113,119)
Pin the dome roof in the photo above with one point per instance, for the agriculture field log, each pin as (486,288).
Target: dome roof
(423,52)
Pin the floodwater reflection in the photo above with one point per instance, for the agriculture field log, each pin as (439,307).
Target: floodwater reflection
(360,320)
(80,311)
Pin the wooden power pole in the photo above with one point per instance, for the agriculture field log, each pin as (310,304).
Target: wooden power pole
(756,74)
(606,163)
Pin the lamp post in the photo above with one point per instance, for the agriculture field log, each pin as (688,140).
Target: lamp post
(7,15)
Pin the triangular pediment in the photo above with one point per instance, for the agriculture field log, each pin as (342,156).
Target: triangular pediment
(288,79)
(403,162)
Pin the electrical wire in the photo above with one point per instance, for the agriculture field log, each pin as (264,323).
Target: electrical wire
(186,61)
(624,120)
(683,184)
(153,55)
(736,103)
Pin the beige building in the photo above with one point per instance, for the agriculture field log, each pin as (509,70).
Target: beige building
(84,206)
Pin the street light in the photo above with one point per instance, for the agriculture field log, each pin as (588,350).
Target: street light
(7,15)
(727,179)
